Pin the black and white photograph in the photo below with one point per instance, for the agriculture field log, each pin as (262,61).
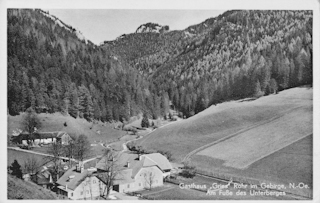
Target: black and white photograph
(202,100)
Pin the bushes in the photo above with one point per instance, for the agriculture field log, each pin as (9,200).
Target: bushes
(188,171)
(166,154)
(131,129)
(132,146)
(145,121)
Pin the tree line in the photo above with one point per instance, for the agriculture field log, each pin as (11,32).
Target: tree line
(235,55)
(51,70)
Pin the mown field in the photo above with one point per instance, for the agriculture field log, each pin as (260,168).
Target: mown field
(222,120)
(292,164)
(264,140)
(248,147)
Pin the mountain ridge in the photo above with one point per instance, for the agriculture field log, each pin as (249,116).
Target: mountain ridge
(235,55)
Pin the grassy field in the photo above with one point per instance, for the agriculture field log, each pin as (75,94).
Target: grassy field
(19,189)
(96,132)
(263,140)
(118,145)
(248,147)
(21,157)
(292,164)
(224,119)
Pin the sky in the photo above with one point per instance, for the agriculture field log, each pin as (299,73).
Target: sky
(98,25)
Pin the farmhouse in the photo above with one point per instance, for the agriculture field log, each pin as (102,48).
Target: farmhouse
(43,178)
(42,138)
(79,183)
(139,172)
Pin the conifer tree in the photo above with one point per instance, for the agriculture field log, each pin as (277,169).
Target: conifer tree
(16,169)
(145,121)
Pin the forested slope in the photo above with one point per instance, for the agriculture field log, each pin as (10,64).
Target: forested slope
(51,69)
(235,55)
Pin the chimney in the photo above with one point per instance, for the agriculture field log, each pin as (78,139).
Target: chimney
(66,187)
(80,167)
(128,164)
(50,180)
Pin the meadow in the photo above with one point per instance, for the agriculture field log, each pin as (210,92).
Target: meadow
(222,120)
(96,131)
(250,146)
(292,164)
(268,139)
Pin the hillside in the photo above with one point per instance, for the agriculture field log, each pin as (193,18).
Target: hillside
(97,132)
(19,189)
(238,54)
(261,140)
(235,55)
(52,69)
(221,120)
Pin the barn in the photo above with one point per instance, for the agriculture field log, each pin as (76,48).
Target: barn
(38,138)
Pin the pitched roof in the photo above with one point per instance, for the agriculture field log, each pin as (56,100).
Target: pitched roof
(77,179)
(160,160)
(123,177)
(40,179)
(143,162)
(62,133)
(38,135)
(135,164)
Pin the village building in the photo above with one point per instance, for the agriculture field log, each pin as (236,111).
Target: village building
(139,172)
(134,173)
(39,138)
(43,178)
(79,183)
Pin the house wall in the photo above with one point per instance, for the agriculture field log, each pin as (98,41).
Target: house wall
(127,187)
(142,180)
(62,192)
(48,140)
(89,188)
(38,141)
(65,139)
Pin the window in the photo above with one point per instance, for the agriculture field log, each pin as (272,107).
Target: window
(87,191)
(82,193)
(128,185)
(94,181)
(139,184)
(71,194)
